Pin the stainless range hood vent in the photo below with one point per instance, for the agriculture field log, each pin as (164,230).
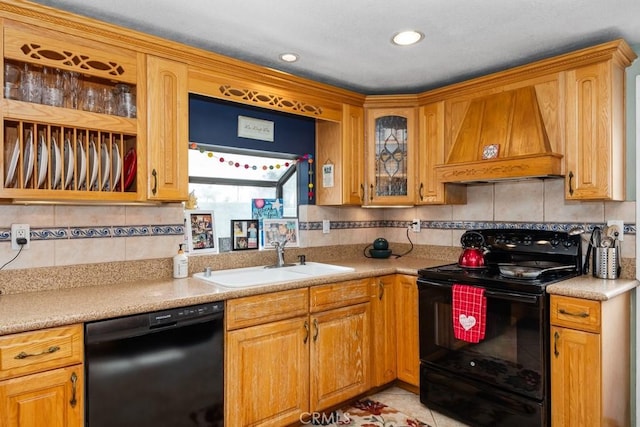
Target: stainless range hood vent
(502,137)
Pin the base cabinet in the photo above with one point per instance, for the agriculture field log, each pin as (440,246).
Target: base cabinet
(42,378)
(590,365)
(339,355)
(268,373)
(384,366)
(293,352)
(407,340)
(52,399)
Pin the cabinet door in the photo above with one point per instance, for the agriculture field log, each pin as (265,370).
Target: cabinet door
(353,154)
(407,330)
(52,398)
(390,156)
(167,129)
(431,152)
(595,133)
(267,373)
(575,378)
(339,355)
(341,146)
(383,330)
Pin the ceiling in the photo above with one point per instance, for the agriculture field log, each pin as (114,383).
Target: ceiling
(347,43)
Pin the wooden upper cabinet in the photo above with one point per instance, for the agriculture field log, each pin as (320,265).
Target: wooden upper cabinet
(340,146)
(431,152)
(390,156)
(55,144)
(167,129)
(595,155)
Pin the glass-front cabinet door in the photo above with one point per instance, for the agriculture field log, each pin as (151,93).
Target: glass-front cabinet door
(390,155)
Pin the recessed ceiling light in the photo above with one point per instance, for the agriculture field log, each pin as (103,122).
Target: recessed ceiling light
(406,38)
(289,57)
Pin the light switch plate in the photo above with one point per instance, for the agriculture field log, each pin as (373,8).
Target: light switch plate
(326,226)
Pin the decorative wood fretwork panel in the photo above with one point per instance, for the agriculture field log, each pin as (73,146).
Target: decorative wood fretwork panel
(36,45)
(260,95)
(270,101)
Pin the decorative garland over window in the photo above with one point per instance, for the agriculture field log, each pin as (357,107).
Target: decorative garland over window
(304,158)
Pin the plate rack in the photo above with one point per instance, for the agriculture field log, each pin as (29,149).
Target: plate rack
(52,158)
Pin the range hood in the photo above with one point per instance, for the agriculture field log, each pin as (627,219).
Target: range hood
(502,137)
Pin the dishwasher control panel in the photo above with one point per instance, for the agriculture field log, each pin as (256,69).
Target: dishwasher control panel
(181,314)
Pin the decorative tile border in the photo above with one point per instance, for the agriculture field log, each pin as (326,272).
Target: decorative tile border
(63,233)
(460,225)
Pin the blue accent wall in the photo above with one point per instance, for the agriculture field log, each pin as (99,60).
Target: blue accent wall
(213,121)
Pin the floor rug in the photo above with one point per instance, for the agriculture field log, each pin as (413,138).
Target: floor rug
(366,413)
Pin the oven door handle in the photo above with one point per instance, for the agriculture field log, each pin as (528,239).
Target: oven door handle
(525,298)
(509,296)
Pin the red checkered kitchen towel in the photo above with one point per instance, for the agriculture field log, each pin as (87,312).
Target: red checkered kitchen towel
(469,312)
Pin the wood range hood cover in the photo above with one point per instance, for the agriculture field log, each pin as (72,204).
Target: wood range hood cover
(511,122)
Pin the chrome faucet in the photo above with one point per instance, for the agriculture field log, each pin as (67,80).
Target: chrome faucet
(279,252)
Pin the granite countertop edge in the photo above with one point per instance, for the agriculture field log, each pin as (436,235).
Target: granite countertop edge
(44,309)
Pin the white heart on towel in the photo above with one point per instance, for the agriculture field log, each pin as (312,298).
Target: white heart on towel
(467,322)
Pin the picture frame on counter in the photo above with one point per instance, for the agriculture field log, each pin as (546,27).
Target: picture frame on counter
(201,232)
(244,234)
(280,229)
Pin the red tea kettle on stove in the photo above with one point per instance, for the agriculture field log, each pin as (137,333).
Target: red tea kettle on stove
(473,250)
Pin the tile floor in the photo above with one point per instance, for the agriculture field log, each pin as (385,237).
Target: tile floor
(409,403)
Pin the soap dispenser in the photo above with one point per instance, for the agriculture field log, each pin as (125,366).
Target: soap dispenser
(180,264)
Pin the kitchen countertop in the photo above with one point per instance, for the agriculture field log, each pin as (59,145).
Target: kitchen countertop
(589,287)
(43,309)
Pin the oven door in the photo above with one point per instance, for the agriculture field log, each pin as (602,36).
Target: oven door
(511,357)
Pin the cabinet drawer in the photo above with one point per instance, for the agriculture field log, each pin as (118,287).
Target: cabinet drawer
(36,351)
(575,313)
(258,309)
(340,294)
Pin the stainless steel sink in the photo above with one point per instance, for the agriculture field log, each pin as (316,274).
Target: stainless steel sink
(260,276)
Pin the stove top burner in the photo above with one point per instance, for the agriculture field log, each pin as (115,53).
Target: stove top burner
(514,246)
(491,278)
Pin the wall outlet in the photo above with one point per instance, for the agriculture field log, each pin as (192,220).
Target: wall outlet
(415,226)
(620,225)
(19,232)
(326,226)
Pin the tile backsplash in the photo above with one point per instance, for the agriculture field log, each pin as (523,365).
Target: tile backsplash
(64,235)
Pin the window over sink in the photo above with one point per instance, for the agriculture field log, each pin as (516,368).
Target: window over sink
(226,180)
(227,169)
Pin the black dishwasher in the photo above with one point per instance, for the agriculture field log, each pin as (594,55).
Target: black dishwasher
(156,369)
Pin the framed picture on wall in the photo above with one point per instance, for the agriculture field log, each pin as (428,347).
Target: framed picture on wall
(201,233)
(244,234)
(279,230)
